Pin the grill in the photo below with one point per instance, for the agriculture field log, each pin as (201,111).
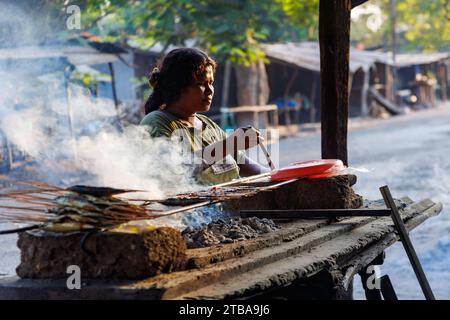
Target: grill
(305,256)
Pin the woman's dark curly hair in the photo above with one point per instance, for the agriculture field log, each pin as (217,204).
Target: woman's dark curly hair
(176,72)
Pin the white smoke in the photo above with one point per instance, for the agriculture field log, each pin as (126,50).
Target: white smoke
(97,150)
(72,136)
(34,118)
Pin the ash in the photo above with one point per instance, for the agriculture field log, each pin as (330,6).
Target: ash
(380,203)
(227,230)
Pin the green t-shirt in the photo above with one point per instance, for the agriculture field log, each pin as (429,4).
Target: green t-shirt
(163,124)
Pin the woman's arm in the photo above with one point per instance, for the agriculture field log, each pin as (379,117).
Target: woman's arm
(241,139)
(251,167)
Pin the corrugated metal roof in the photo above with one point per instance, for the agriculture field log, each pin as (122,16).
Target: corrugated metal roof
(420,58)
(307,55)
(77,55)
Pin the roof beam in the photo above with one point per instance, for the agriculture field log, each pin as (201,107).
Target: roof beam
(357,2)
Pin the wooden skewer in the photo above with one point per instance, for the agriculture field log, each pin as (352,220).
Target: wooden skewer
(21,208)
(20,229)
(205,203)
(40,185)
(139,200)
(136,211)
(28,192)
(267,155)
(29,220)
(242,180)
(186,208)
(23,217)
(31,199)
(48,205)
(225,184)
(30,196)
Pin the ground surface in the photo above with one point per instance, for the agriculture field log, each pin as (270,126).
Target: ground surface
(410,154)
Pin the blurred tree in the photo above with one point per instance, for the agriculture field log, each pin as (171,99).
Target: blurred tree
(234,29)
(426,24)
(228,29)
(421,25)
(370,25)
(304,14)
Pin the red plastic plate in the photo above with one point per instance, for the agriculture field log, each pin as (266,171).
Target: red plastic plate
(314,169)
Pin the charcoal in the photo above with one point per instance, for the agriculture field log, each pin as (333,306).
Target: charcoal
(223,231)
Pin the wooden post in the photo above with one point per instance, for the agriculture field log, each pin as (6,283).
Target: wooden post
(365,88)
(114,93)
(334,37)
(287,89)
(226,116)
(394,71)
(312,99)
(407,244)
(70,113)
(442,78)
(389,83)
(9,150)
(226,84)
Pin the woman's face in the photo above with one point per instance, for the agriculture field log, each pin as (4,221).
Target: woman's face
(198,96)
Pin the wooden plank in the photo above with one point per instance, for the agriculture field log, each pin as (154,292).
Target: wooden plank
(387,289)
(263,108)
(334,38)
(202,257)
(304,264)
(270,264)
(407,244)
(315,213)
(177,283)
(364,258)
(247,265)
(289,231)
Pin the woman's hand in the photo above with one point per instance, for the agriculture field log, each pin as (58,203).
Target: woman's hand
(243,139)
(251,167)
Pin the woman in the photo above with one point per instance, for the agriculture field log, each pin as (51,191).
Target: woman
(182,88)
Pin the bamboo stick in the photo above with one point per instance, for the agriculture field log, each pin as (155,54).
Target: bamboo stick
(21,208)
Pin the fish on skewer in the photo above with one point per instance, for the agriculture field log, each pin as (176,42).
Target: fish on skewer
(40,187)
(77,208)
(85,208)
(220,194)
(100,191)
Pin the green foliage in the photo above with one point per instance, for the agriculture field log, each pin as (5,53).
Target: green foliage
(234,29)
(142,87)
(421,25)
(303,13)
(229,29)
(361,33)
(427,23)
(89,78)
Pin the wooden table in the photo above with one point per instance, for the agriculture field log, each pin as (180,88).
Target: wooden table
(255,111)
(315,257)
